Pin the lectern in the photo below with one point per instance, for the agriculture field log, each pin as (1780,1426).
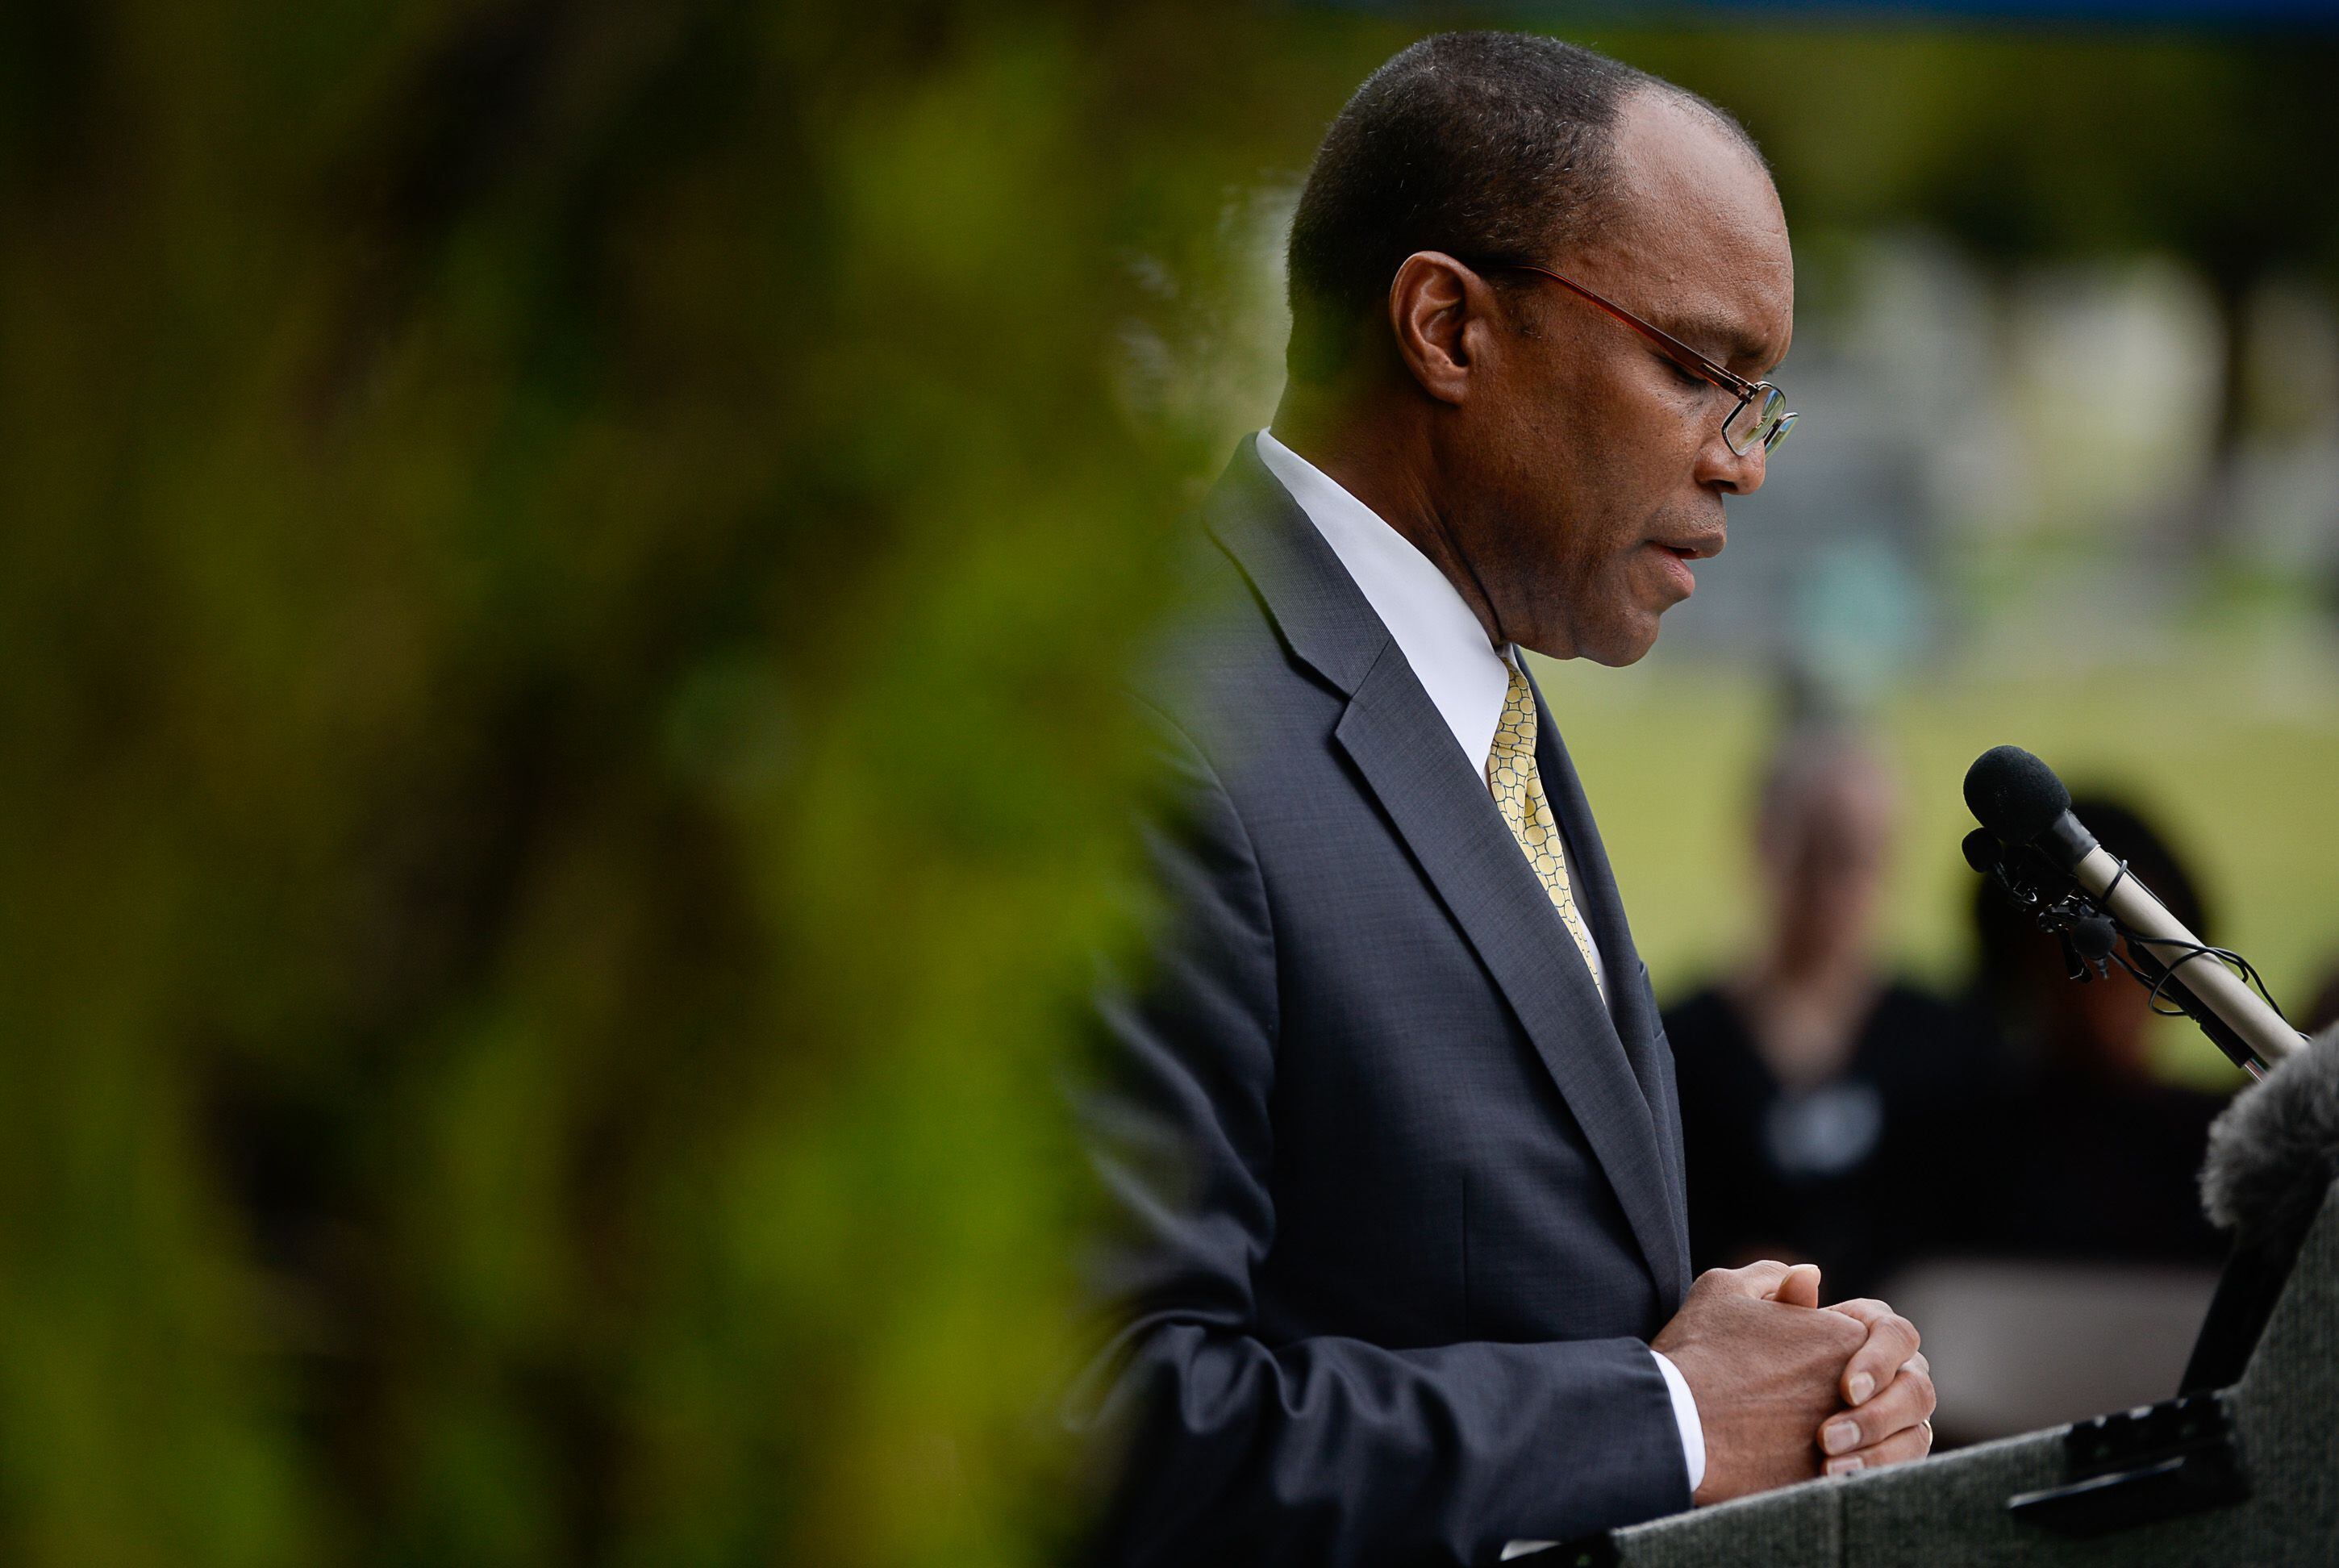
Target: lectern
(2246,1474)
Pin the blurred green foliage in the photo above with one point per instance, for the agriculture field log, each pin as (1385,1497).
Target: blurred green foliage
(564,572)
(566,575)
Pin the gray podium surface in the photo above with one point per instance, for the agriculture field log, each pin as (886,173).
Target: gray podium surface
(1952,1509)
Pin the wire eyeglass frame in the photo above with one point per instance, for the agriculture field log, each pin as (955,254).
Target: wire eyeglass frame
(1771,421)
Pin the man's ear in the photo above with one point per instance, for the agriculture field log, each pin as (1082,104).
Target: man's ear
(1438,313)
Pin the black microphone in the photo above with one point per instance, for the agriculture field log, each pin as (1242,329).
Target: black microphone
(2022,803)
(2274,1154)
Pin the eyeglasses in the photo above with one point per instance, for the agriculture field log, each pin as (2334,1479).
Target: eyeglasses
(1760,417)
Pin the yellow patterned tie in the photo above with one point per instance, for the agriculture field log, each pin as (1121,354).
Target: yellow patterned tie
(1518,790)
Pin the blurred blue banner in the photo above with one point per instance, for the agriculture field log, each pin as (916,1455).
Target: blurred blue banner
(2316,14)
(2320,12)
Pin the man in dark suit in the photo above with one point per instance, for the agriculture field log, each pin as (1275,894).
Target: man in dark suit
(1390,1127)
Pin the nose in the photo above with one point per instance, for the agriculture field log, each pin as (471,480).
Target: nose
(1737,474)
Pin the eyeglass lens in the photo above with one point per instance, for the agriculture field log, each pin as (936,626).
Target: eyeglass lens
(1762,420)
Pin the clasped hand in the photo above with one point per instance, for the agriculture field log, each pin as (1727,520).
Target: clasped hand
(1787,1389)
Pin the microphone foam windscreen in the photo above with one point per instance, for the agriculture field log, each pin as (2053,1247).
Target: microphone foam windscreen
(2014,794)
(2274,1152)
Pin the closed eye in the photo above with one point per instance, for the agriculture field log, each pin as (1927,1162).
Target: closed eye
(1684,375)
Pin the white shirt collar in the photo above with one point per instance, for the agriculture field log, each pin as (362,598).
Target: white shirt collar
(1461,672)
(1465,677)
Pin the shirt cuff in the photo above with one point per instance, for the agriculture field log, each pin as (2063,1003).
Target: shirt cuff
(1693,1432)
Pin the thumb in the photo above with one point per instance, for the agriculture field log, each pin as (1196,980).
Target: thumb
(1759,1281)
(1799,1286)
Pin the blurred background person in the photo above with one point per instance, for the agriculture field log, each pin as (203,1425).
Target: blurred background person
(2094,1153)
(2322,1010)
(2070,1262)
(1807,1073)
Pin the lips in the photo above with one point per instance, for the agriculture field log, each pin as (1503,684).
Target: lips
(1676,551)
(1675,563)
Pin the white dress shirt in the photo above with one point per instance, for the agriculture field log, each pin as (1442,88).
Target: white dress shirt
(1467,678)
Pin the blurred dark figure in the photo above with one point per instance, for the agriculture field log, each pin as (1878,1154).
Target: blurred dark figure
(1806,1077)
(2089,1155)
(2323,1007)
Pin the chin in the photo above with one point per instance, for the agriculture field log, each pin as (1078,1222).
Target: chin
(1618,634)
(1617,647)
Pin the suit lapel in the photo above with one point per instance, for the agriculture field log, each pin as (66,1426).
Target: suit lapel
(1443,811)
(1634,1011)
(1394,734)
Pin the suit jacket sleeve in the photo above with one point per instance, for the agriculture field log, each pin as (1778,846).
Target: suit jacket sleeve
(1236,1448)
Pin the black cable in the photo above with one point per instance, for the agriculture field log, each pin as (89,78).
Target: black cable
(2100,903)
(2188,953)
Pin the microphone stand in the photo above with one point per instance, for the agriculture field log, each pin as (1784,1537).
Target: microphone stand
(2092,936)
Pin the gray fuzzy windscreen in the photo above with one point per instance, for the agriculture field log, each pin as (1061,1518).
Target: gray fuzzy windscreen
(2275,1151)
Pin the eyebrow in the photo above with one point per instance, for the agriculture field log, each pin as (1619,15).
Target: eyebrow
(1699,332)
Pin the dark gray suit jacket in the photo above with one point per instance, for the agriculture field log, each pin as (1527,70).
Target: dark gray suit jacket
(1399,1199)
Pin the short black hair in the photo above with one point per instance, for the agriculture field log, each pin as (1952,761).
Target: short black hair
(1484,145)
